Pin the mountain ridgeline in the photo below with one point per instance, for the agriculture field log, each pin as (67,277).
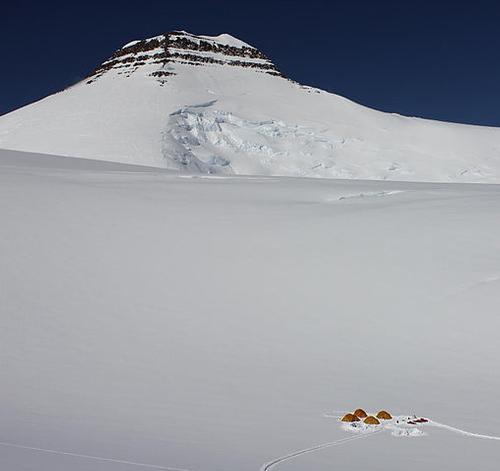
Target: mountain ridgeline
(216,105)
(183,48)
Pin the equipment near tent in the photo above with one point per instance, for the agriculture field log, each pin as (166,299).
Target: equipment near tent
(370,420)
(360,413)
(384,415)
(350,418)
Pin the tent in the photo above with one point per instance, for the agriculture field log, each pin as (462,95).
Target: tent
(384,415)
(350,418)
(370,420)
(360,413)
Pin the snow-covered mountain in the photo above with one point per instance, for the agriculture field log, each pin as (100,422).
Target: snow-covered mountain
(218,105)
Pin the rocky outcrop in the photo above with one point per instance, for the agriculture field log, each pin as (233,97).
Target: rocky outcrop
(179,47)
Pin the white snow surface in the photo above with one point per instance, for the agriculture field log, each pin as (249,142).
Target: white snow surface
(154,319)
(226,119)
(225,39)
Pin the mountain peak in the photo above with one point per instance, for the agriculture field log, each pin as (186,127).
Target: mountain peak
(180,47)
(223,39)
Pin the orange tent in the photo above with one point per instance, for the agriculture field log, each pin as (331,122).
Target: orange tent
(384,415)
(360,413)
(350,418)
(370,420)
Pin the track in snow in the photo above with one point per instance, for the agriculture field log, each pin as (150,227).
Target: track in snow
(463,432)
(275,462)
(90,457)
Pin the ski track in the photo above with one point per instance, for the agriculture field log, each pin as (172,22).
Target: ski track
(463,432)
(90,457)
(271,464)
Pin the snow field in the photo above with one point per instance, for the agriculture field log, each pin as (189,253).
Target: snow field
(206,323)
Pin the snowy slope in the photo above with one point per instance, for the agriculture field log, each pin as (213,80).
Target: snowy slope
(209,323)
(215,104)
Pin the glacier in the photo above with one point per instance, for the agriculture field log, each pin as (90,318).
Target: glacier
(157,319)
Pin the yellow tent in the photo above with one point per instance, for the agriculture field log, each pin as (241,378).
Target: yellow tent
(350,418)
(360,413)
(384,415)
(370,420)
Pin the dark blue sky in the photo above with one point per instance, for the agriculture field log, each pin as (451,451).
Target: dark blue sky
(437,59)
